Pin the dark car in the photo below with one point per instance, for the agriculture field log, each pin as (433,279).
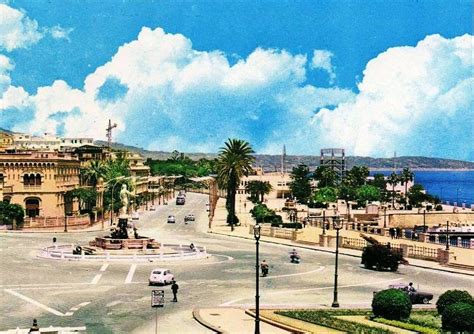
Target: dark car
(416,297)
(180,200)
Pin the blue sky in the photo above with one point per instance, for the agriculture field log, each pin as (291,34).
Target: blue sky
(373,77)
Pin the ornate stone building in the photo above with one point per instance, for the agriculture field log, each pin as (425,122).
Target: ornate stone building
(38,181)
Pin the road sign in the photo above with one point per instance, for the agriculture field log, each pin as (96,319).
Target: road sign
(157,298)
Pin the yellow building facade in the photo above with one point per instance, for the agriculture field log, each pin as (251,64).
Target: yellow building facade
(38,181)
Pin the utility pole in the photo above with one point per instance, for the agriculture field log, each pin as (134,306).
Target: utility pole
(109,132)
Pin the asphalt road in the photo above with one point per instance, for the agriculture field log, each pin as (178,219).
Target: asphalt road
(115,297)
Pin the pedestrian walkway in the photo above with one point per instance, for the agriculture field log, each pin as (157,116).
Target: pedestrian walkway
(232,320)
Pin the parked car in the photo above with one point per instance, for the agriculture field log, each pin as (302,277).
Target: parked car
(135,216)
(207,207)
(160,276)
(189,218)
(416,297)
(171,219)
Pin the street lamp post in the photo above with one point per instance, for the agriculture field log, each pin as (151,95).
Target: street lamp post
(65,212)
(256,234)
(337,224)
(424,220)
(447,235)
(324,221)
(385,217)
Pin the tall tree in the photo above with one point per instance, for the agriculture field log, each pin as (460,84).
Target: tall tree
(300,186)
(94,171)
(326,176)
(406,176)
(357,176)
(234,161)
(257,190)
(393,180)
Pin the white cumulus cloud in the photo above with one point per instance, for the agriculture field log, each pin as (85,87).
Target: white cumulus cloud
(322,59)
(413,100)
(16,29)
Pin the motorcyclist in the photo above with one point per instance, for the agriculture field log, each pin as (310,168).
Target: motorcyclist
(264,268)
(294,257)
(192,247)
(411,288)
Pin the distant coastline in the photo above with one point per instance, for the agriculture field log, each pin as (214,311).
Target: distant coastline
(425,169)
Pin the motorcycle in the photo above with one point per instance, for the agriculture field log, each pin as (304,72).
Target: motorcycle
(294,258)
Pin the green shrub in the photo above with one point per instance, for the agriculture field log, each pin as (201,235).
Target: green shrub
(287,225)
(406,325)
(327,318)
(425,320)
(392,304)
(458,317)
(452,296)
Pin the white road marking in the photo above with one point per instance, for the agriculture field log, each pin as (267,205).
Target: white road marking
(104,267)
(131,272)
(284,292)
(75,308)
(298,274)
(44,288)
(34,302)
(96,279)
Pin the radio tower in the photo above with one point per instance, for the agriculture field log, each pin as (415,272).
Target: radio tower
(109,132)
(283,156)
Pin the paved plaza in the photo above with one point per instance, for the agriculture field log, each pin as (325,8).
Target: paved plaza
(114,297)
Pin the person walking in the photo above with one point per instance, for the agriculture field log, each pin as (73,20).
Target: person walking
(174,288)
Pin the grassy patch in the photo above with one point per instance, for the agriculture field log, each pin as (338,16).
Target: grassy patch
(426,320)
(407,326)
(328,318)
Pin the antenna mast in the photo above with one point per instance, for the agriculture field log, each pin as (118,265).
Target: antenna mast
(109,132)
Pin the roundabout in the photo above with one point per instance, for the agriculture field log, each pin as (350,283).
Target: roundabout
(166,252)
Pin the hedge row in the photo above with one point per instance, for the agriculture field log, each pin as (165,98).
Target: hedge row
(406,325)
(328,319)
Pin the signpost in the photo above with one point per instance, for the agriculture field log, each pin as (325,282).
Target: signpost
(157,300)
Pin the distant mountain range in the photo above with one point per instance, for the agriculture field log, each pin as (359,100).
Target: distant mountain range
(273,162)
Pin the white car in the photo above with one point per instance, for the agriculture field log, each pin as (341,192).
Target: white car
(160,276)
(135,216)
(171,219)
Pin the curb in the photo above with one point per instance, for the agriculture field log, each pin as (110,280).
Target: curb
(198,318)
(340,253)
(277,324)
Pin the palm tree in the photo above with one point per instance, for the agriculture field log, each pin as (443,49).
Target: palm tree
(393,180)
(234,161)
(406,176)
(96,170)
(258,189)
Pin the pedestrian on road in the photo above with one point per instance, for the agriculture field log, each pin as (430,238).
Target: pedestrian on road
(174,288)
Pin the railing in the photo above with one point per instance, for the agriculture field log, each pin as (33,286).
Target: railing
(353,243)
(52,222)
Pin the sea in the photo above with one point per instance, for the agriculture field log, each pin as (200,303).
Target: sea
(451,186)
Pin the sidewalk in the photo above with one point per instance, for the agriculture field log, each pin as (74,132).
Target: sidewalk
(232,320)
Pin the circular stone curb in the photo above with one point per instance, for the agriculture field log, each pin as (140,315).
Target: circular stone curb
(64,252)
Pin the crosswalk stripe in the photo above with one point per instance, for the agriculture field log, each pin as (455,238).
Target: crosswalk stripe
(131,272)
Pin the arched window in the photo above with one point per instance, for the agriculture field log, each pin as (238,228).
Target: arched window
(38,180)
(26,180)
(32,206)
